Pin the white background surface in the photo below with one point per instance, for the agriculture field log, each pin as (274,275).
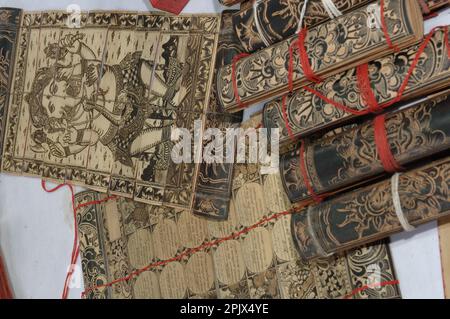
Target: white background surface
(36,228)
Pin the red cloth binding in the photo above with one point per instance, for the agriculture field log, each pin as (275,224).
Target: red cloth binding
(388,160)
(305,175)
(172,6)
(236,58)
(385,29)
(362,73)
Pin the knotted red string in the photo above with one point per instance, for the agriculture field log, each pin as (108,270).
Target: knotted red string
(304,60)
(75,247)
(385,29)
(388,160)
(402,87)
(190,251)
(305,175)
(236,58)
(363,81)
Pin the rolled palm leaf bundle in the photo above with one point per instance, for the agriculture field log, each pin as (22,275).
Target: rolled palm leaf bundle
(338,161)
(365,34)
(271,21)
(373,212)
(268,22)
(414,72)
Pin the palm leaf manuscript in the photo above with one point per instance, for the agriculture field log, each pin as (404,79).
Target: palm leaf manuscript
(332,47)
(96,105)
(120,237)
(307,113)
(275,20)
(368,214)
(339,161)
(9,27)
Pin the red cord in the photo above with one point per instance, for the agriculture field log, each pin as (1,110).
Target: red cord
(5,288)
(304,60)
(365,287)
(75,247)
(336,104)
(388,160)
(385,29)
(401,90)
(236,58)
(305,175)
(191,251)
(362,74)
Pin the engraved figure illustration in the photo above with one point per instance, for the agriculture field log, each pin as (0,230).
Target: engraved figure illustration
(69,109)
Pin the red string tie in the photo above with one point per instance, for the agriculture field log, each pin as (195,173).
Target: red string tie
(304,60)
(305,175)
(363,81)
(387,159)
(400,91)
(76,248)
(385,29)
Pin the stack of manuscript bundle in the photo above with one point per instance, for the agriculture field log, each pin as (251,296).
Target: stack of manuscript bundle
(96,103)
(374,212)
(412,72)
(271,21)
(353,156)
(174,254)
(360,36)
